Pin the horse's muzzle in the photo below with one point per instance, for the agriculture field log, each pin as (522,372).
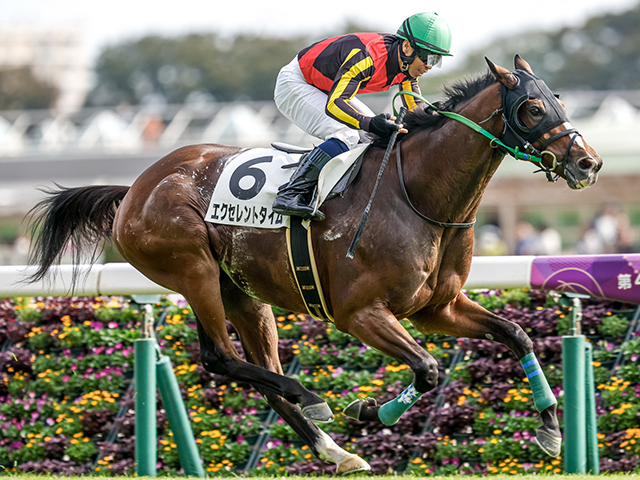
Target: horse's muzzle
(582,173)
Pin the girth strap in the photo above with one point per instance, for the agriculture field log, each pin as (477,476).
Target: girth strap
(304,268)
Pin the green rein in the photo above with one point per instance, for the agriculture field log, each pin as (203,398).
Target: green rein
(495,141)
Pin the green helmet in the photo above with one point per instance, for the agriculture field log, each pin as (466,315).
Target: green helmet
(427,31)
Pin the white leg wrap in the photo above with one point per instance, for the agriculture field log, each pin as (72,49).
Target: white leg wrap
(347,462)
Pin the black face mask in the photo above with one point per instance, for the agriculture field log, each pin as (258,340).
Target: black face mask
(517,133)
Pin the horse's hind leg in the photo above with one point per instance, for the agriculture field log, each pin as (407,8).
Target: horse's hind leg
(249,316)
(464,318)
(220,356)
(197,277)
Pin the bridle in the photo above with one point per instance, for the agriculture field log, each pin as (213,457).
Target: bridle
(515,134)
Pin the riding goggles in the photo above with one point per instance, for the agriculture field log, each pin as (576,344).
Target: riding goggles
(430,59)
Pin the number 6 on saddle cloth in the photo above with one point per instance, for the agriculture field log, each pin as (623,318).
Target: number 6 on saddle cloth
(250,180)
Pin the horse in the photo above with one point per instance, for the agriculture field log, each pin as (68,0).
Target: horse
(412,261)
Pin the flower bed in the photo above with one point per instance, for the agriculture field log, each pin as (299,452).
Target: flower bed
(66,406)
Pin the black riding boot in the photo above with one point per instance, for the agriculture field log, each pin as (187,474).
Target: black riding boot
(295,197)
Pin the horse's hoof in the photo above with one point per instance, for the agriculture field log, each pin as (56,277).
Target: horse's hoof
(359,406)
(351,465)
(549,443)
(353,409)
(318,413)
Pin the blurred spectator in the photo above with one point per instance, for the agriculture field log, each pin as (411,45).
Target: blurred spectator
(542,240)
(609,232)
(527,239)
(626,235)
(490,241)
(550,240)
(606,227)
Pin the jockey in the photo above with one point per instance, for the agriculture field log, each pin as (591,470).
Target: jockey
(316,92)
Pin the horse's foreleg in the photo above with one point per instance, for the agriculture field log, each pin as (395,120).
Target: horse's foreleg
(249,317)
(377,327)
(464,318)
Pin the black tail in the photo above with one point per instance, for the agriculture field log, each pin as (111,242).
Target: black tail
(79,217)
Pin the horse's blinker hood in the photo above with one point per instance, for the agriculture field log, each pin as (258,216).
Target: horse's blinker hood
(529,86)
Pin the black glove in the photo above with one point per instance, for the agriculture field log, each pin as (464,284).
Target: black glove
(382,126)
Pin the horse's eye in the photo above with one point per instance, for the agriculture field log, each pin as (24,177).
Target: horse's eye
(536,111)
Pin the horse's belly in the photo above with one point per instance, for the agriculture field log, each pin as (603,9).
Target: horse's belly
(257,261)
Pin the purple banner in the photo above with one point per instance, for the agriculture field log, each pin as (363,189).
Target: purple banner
(616,277)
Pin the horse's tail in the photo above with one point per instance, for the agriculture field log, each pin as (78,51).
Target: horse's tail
(78,217)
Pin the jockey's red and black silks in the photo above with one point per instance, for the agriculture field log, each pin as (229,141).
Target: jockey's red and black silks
(355,63)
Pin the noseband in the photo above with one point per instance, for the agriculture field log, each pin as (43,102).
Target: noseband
(517,134)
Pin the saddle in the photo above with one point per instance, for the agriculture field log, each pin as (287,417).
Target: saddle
(342,184)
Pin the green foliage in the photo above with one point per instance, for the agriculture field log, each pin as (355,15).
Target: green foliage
(29,315)
(174,67)
(613,326)
(21,89)
(495,299)
(578,58)
(82,450)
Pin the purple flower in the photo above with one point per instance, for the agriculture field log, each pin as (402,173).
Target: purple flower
(113,325)
(50,421)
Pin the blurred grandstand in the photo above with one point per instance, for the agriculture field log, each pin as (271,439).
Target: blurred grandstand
(114,145)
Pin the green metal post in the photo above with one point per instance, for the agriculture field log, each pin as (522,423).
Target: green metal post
(575,429)
(178,419)
(145,407)
(593,458)
(573,384)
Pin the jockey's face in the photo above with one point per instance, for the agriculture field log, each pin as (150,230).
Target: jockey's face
(417,68)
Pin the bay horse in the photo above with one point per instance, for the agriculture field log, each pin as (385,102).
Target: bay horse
(404,267)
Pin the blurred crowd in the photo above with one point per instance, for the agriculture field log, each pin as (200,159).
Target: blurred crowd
(610,231)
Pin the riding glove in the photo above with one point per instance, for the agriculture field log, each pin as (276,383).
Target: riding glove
(382,126)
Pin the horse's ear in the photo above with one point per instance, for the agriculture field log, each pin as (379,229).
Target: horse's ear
(521,64)
(503,75)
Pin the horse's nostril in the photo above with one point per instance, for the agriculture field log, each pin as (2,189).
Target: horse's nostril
(587,163)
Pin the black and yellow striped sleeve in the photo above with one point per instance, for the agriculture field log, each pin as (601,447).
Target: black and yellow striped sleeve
(355,72)
(410,101)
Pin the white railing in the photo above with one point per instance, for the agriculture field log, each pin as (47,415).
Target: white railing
(616,277)
(123,279)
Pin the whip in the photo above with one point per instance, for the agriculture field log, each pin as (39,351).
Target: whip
(365,214)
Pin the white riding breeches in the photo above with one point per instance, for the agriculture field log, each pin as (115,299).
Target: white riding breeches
(305,104)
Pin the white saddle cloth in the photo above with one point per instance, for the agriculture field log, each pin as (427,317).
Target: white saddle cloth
(250,180)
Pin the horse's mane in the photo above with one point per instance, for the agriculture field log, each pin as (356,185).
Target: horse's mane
(455,94)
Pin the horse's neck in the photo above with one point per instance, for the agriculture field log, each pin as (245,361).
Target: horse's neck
(448,170)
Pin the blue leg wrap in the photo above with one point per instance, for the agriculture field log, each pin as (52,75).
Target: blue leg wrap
(543,397)
(390,412)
